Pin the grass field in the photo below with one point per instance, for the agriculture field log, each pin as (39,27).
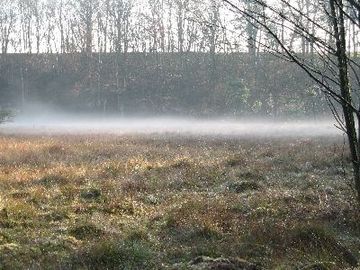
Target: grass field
(160,202)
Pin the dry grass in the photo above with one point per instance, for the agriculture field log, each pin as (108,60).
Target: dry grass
(96,202)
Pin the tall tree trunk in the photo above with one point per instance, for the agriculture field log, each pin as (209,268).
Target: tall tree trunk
(342,62)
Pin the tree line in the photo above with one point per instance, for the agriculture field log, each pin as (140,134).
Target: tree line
(160,84)
(123,26)
(165,55)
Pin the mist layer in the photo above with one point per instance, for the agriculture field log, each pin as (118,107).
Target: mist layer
(178,126)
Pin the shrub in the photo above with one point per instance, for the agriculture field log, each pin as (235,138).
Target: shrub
(5,116)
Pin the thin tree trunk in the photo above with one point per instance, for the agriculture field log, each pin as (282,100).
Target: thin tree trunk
(340,36)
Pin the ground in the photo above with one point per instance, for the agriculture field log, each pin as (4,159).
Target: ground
(160,202)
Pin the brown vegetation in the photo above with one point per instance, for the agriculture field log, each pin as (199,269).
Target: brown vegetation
(98,202)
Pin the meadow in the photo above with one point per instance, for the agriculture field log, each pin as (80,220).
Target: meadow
(176,202)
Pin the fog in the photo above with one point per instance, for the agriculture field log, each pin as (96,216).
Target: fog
(74,124)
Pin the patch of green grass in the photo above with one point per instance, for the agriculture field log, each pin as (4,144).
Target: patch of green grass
(117,254)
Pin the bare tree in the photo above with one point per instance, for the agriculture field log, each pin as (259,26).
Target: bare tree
(49,10)
(156,24)
(37,11)
(26,25)
(7,23)
(83,25)
(182,6)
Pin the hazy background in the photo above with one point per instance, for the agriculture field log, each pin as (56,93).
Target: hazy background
(128,66)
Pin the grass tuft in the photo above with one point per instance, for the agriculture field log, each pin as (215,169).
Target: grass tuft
(86,231)
(118,254)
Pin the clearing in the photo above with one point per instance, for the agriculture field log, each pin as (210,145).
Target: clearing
(158,202)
